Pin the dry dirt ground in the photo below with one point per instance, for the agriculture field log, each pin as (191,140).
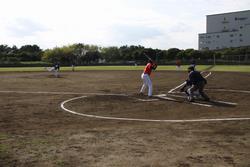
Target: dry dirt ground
(35,131)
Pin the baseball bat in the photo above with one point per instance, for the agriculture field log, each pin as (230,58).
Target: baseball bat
(148,57)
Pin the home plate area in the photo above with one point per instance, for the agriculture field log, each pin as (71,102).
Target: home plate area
(170,107)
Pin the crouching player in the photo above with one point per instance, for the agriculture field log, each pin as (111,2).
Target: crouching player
(195,82)
(146,78)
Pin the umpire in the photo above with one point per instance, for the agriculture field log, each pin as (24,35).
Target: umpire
(196,82)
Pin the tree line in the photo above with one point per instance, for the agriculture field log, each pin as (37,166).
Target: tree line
(84,54)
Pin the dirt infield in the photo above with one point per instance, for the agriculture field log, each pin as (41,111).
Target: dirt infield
(35,131)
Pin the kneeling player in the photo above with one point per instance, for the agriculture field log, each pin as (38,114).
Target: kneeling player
(195,82)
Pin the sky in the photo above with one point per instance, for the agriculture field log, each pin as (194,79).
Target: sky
(161,24)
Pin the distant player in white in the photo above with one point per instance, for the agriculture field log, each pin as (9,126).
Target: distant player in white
(57,68)
(146,78)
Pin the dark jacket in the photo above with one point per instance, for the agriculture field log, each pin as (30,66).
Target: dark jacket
(195,77)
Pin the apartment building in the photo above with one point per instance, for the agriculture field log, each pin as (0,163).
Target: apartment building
(226,30)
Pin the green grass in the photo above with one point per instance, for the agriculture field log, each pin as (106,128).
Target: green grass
(233,68)
(3,148)
(21,69)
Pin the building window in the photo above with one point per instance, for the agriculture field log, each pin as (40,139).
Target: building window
(209,36)
(241,40)
(241,27)
(218,36)
(231,35)
(240,35)
(241,18)
(231,41)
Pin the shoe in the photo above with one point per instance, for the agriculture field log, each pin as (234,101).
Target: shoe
(190,99)
(207,99)
(141,94)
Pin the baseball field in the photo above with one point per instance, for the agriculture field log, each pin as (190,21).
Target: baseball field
(95,117)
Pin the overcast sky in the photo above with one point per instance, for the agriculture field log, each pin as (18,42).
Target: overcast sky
(159,24)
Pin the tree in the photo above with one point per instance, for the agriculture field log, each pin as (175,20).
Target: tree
(30,53)
(111,54)
(172,53)
(181,55)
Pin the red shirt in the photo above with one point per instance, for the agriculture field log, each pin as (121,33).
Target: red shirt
(148,69)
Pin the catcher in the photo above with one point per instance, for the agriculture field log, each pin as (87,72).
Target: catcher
(146,78)
(195,82)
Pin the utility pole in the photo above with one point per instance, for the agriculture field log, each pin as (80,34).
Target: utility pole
(214,59)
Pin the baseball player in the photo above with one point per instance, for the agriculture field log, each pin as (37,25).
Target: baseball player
(146,78)
(195,82)
(56,70)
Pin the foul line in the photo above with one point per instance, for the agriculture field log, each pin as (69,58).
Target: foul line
(171,99)
(60,93)
(219,101)
(230,90)
(143,120)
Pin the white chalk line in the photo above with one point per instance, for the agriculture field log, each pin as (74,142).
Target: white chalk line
(195,103)
(73,93)
(143,120)
(117,118)
(165,97)
(111,94)
(219,101)
(60,93)
(146,100)
(175,100)
(230,90)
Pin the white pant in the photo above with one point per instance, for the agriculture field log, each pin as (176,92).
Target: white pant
(146,83)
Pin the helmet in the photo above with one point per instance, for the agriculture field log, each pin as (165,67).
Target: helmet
(191,68)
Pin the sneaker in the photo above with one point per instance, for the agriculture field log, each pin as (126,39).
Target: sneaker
(207,99)
(141,94)
(190,99)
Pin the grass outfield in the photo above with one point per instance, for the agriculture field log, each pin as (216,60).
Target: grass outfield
(233,68)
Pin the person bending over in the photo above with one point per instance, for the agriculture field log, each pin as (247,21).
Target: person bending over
(195,82)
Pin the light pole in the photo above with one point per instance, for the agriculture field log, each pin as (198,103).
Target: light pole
(214,59)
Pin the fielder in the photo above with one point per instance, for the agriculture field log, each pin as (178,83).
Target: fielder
(146,78)
(56,70)
(195,82)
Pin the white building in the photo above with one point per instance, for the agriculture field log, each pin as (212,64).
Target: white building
(226,30)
